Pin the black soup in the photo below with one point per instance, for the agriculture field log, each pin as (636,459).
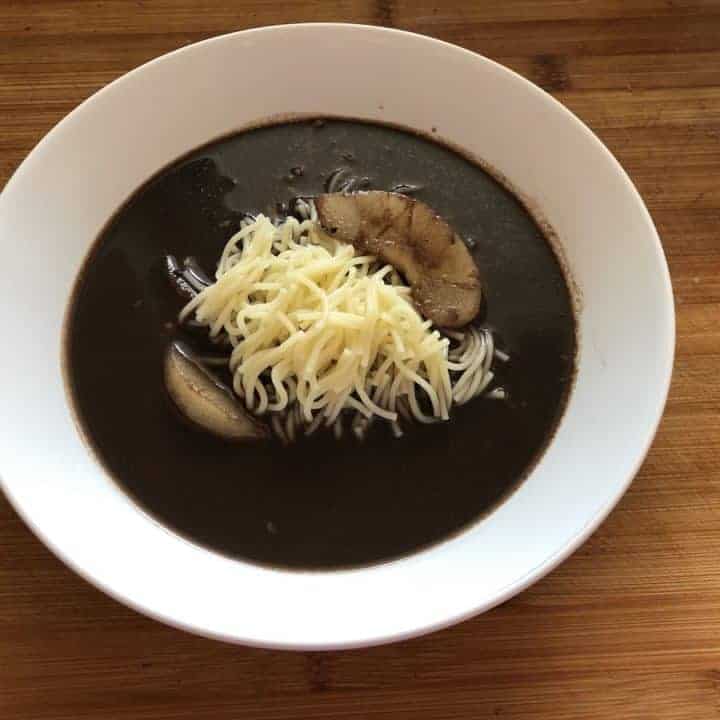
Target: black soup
(321,503)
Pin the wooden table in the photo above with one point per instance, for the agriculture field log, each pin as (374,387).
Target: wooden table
(629,627)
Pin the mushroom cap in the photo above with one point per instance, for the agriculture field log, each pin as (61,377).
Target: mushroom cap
(205,401)
(421,245)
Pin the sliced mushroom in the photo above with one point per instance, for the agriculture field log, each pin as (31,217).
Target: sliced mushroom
(407,234)
(206,401)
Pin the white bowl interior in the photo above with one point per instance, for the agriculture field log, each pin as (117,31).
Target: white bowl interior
(63,194)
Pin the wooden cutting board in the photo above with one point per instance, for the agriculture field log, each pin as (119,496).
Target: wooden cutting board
(629,627)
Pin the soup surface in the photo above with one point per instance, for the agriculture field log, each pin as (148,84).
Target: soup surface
(320,503)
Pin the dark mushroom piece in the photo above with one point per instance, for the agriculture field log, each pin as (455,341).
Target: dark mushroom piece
(407,234)
(208,403)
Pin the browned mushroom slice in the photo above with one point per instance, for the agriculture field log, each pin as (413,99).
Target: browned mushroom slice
(205,401)
(410,236)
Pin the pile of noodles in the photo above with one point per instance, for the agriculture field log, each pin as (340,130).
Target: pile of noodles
(321,335)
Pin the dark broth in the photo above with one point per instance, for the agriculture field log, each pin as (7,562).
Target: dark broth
(320,503)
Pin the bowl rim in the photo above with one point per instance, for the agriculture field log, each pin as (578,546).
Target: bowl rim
(533,574)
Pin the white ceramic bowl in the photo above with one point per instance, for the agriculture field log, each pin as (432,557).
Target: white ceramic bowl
(65,191)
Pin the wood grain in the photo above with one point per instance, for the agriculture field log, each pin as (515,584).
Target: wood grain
(629,627)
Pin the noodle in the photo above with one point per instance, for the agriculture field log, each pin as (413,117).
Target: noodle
(320,334)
